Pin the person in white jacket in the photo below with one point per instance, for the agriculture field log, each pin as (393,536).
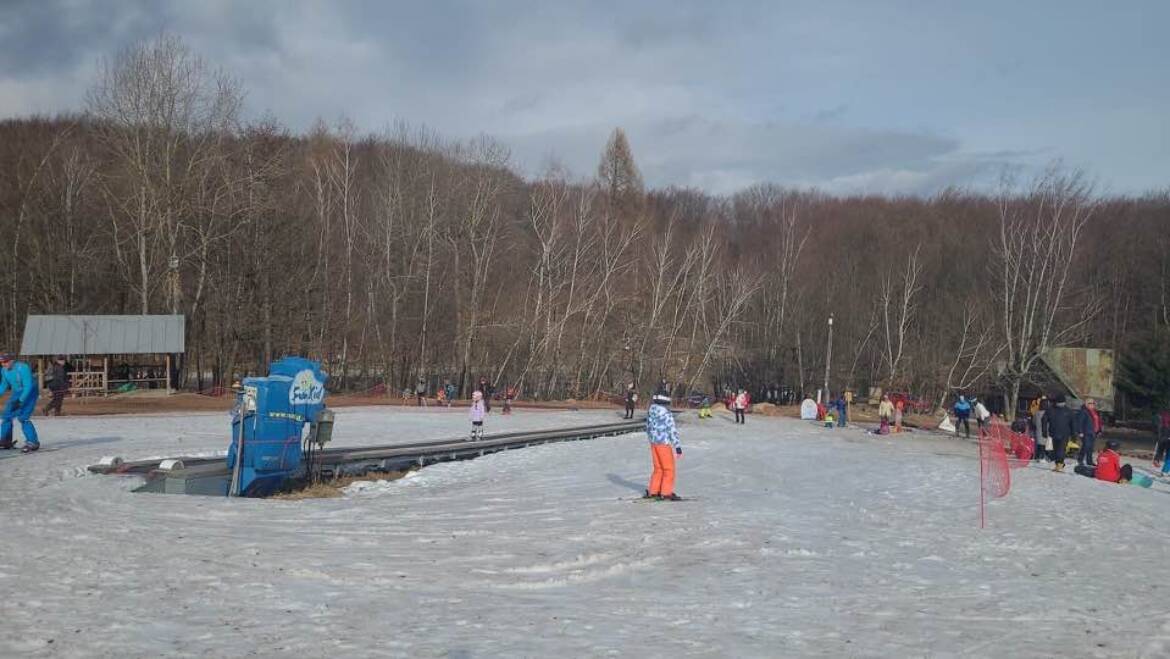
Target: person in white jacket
(982,416)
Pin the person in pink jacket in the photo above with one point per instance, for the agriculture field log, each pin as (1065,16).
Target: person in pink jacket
(740,404)
(478,412)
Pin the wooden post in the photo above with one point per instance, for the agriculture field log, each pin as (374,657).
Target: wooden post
(105,376)
(40,372)
(168,374)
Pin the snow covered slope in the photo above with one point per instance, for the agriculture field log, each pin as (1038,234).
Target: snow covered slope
(800,541)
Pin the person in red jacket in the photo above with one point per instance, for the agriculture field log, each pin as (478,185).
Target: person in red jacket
(1109,463)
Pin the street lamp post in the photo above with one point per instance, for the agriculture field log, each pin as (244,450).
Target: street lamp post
(828,358)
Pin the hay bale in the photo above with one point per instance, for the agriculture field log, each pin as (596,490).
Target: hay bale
(765,409)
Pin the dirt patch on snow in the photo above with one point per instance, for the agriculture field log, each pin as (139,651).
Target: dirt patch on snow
(329,489)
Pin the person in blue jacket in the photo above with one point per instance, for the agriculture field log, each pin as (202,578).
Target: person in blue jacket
(842,410)
(16,379)
(963,416)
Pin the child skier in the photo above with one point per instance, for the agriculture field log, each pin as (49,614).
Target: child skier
(631,400)
(741,404)
(705,408)
(17,378)
(509,396)
(664,446)
(478,412)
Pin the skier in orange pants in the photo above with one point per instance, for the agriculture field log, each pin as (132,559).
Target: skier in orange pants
(664,446)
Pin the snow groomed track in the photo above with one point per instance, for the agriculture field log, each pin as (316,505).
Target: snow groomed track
(210,475)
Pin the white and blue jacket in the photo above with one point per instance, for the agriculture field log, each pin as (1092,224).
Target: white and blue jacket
(660,426)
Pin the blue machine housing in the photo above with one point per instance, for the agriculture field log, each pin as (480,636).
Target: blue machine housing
(273,411)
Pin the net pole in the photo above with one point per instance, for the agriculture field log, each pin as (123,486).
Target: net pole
(982,487)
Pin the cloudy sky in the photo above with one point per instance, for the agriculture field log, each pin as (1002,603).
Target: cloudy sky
(865,96)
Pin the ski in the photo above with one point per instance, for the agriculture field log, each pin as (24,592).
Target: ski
(653,500)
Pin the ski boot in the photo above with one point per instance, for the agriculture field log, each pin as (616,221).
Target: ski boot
(30,448)
(646,495)
(6,443)
(670,497)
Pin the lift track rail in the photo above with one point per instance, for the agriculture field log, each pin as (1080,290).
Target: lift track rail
(204,475)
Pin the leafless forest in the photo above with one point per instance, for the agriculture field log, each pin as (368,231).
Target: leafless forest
(402,253)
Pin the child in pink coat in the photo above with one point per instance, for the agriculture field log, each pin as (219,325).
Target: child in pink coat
(478,412)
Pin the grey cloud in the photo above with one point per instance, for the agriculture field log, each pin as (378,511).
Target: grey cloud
(41,38)
(831,114)
(716,96)
(725,156)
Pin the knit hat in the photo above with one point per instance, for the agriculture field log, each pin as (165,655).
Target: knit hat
(1113,445)
(5,357)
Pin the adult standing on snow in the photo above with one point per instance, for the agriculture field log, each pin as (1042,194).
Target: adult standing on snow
(1040,429)
(664,446)
(963,416)
(486,390)
(58,384)
(740,405)
(842,410)
(1088,427)
(420,390)
(1161,436)
(1061,426)
(631,400)
(885,414)
(885,409)
(982,416)
(16,379)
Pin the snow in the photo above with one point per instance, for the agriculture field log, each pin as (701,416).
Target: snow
(800,540)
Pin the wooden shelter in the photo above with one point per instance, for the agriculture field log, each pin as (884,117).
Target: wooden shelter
(107,351)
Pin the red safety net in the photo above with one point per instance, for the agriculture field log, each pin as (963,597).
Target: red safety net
(1000,451)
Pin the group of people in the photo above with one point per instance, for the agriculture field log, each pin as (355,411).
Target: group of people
(1053,424)
(963,410)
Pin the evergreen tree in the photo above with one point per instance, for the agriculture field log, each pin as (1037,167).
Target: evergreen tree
(618,174)
(1144,372)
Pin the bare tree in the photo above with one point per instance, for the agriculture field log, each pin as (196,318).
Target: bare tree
(1034,255)
(972,360)
(161,112)
(472,237)
(898,302)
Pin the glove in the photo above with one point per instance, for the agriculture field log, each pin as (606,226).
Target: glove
(678,450)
